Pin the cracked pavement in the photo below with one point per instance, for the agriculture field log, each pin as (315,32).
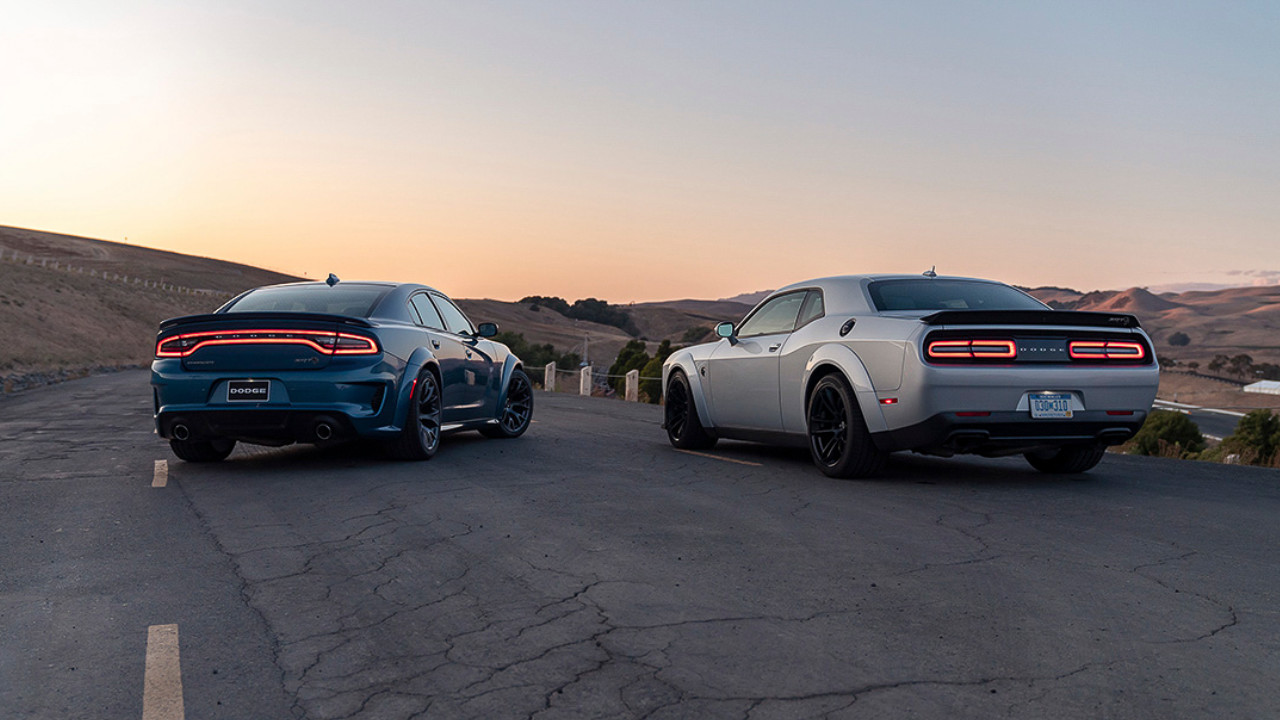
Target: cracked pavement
(589,571)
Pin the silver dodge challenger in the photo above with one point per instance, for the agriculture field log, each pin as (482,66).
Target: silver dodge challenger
(859,366)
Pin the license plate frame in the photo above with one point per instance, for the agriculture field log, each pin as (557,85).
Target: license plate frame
(248,391)
(1050,405)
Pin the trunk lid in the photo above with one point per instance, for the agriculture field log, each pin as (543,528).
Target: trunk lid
(244,342)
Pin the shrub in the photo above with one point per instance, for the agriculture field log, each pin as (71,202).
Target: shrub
(1179,339)
(1256,439)
(1167,434)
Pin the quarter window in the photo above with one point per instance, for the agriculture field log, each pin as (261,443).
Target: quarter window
(427,314)
(454,320)
(776,316)
(812,309)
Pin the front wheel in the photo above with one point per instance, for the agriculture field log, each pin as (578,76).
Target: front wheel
(420,438)
(202,451)
(1075,459)
(517,411)
(838,438)
(684,429)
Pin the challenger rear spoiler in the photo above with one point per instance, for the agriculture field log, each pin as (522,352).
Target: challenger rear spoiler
(261,317)
(1078,318)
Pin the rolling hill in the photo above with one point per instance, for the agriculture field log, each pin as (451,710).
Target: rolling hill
(71,305)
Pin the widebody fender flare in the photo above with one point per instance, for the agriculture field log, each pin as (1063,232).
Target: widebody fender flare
(684,361)
(509,366)
(418,360)
(847,362)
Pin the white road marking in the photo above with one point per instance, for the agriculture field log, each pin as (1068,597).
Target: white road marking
(161,476)
(162,689)
(717,457)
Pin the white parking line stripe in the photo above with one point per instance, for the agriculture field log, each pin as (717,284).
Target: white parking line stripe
(161,477)
(717,457)
(162,689)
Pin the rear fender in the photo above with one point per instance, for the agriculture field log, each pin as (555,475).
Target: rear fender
(850,365)
(421,358)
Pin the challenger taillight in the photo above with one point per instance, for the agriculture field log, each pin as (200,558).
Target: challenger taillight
(325,342)
(972,349)
(1106,350)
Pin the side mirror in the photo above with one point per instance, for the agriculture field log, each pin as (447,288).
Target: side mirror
(487,330)
(725,330)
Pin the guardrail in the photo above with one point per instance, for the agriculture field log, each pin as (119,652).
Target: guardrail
(13,257)
(589,381)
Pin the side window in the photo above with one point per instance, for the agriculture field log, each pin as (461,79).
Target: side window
(812,309)
(454,320)
(776,316)
(427,314)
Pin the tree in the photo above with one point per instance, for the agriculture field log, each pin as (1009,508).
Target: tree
(1218,363)
(1256,438)
(652,389)
(558,304)
(1241,364)
(534,356)
(1179,339)
(632,356)
(1167,434)
(1193,365)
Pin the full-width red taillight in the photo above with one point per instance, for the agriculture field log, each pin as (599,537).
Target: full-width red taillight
(327,343)
(1106,350)
(969,349)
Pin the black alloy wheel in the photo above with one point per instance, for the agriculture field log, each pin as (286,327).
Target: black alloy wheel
(839,441)
(517,410)
(420,438)
(684,429)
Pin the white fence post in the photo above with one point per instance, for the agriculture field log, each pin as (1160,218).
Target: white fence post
(549,377)
(584,381)
(633,386)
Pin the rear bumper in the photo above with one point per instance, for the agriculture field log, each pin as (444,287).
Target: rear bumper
(353,403)
(1007,433)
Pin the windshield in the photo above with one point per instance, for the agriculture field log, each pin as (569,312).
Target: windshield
(353,300)
(933,294)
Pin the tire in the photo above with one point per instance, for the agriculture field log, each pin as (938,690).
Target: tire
(202,451)
(1073,459)
(517,409)
(684,429)
(839,441)
(420,437)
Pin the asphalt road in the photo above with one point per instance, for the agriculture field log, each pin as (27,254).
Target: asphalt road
(589,570)
(1214,423)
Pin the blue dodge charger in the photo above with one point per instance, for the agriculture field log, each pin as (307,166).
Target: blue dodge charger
(321,362)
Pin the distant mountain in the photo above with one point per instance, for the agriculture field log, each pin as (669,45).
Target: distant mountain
(748,298)
(1228,321)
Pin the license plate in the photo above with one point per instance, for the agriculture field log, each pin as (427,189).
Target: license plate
(1051,405)
(248,390)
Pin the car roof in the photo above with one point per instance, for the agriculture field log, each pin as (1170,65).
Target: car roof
(847,293)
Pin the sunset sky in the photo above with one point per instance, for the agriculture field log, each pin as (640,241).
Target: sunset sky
(655,150)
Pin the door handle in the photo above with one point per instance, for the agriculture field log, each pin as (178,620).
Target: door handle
(468,354)
(435,344)
(774,347)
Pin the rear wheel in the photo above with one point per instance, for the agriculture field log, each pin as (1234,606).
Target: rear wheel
(199,451)
(517,411)
(684,429)
(1074,459)
(838,438)
(420,437)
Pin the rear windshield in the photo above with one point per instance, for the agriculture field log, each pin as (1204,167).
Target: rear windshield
(933,294)
(352,300)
